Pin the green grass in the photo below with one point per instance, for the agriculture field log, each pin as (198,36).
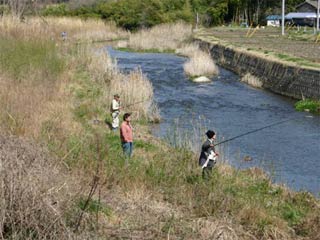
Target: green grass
(296,60)
(144,145)
(308,105)
(21,58)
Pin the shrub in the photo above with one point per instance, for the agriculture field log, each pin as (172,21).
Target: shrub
(56,10)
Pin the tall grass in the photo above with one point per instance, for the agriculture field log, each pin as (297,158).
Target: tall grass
(30,72)
(162,37)
(51,28)
(37,60)
(135,89)
(188,49)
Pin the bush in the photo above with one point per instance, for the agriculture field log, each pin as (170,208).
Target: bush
(56,10)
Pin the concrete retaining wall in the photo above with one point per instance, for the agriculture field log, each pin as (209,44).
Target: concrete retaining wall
(286,80)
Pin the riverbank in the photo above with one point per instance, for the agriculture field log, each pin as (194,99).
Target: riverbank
(160,194)
(285,76)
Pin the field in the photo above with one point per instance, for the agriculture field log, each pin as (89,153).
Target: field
(295,46)
(62,171)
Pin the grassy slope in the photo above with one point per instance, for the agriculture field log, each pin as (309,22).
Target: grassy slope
(247,197)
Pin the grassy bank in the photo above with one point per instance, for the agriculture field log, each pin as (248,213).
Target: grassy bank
(159,194)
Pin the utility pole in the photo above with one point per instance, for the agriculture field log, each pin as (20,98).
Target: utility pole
(318,15)
(283,12)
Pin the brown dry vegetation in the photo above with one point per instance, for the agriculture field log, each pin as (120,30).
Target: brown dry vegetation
(200,64)
(252,80)
(51,28)
(45,194)
(35,192)
(40,95)
(161,38)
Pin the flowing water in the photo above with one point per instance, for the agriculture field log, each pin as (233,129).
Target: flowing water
(290,151)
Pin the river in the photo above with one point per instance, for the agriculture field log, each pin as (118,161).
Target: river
(290,151)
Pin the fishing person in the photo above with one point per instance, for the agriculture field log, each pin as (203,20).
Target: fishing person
(208,155)
(115,111)
(126,135)
(64,36)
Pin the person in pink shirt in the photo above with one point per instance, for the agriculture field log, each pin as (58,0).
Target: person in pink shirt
(126,135)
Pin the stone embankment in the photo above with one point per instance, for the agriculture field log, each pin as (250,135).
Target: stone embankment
(279,77)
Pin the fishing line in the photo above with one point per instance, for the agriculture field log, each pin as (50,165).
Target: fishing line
(142,101)
(257,130)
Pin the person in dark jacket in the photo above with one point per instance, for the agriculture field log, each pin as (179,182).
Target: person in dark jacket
(208,155)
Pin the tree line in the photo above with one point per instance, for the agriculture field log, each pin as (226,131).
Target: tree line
(135,14)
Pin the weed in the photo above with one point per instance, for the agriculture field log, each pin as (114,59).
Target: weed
(291,214)
(308,105)
(144,145)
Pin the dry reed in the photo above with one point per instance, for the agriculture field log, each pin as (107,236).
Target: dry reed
(188,50)
(35,192)
(51,28)
(200,64)
(135,89)
(162,37)
(252,80)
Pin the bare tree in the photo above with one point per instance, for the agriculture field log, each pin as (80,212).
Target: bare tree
(17,7)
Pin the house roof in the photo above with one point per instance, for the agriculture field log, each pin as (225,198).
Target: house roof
(273,17)
(300,15)
(313,3)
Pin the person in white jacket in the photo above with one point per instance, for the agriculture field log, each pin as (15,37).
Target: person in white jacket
(115,111)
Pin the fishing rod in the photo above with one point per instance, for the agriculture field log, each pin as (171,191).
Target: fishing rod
(128,105)
(256,130)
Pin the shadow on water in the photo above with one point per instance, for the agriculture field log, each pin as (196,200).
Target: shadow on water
(231,108)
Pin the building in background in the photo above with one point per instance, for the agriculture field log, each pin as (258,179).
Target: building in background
(302,19)
(309,6)
(273,20)
(305,15)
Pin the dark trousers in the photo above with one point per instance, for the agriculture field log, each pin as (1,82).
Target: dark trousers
(206,173)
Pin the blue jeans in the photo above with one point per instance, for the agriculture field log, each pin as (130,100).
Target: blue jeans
(127,148)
